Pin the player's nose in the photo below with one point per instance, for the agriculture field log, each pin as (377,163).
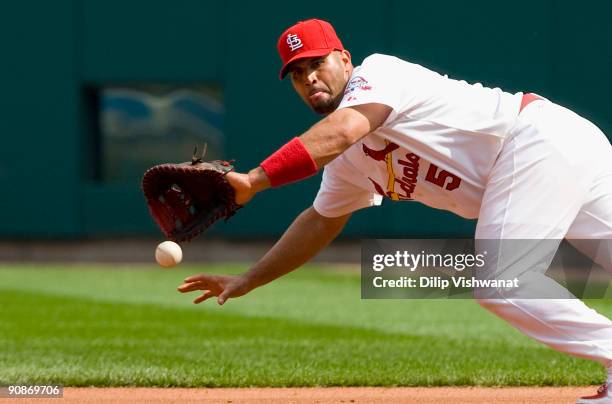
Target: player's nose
(311,78)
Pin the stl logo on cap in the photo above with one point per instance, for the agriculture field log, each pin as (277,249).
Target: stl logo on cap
(294,42)
(306,39)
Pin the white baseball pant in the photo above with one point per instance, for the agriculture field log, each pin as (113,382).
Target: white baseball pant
(553,180)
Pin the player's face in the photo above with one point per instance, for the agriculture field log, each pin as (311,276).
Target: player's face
(321,81)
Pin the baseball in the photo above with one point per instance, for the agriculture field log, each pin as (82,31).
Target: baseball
(168,254)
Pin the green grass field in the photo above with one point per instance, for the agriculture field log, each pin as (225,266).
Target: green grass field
(127,326)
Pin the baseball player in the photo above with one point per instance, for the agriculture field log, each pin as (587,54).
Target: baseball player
(524,166)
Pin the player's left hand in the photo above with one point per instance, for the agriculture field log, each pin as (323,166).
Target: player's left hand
(242,187)
(247,185)
(186,199)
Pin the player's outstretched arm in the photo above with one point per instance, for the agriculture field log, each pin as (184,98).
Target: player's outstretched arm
(332,135)
(308,153)
(308,234)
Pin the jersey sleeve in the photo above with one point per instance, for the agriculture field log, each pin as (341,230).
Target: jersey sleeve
(375,81)
(340,193)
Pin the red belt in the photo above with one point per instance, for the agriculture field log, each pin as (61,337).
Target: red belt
(528,98)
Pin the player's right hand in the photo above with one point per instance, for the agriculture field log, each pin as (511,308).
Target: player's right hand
(221,286)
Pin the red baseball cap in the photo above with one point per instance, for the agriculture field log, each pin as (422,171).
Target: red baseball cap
(307,39)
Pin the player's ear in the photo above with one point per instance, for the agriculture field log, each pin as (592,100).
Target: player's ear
(346,56)
(346,61)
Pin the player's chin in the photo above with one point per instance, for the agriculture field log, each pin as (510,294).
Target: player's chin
(323,106)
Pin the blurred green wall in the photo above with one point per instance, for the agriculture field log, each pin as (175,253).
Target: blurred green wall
(54,53)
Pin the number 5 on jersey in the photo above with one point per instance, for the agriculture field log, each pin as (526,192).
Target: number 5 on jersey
(439,178)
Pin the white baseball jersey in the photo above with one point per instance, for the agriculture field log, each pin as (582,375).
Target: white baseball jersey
(547,174)
(437,146)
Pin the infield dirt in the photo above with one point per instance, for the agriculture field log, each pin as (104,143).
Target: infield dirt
(428,395)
